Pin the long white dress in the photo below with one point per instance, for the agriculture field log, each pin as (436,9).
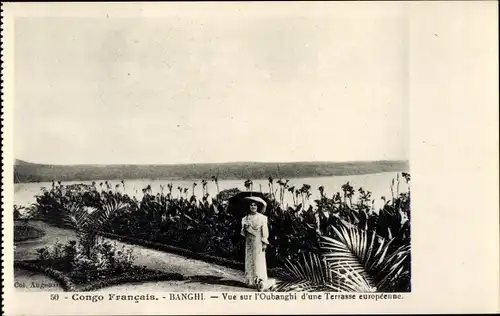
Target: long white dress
(256,232)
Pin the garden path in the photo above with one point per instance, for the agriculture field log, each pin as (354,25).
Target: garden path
(217,278)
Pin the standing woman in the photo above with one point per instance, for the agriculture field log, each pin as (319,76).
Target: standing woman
(255,230)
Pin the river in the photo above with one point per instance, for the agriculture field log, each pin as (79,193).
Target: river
(378,183)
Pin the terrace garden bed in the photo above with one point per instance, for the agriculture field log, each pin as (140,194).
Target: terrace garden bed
(24,232)
(76,281)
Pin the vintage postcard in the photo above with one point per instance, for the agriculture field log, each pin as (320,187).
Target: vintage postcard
(237,158)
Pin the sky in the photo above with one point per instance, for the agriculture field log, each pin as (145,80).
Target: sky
(201,88)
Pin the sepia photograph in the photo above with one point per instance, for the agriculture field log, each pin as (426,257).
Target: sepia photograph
(177,155)
(208,152)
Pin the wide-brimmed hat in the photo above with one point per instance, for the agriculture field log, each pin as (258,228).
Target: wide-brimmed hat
(257,199)
(238,203)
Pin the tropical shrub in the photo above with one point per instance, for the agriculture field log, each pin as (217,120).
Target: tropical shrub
(88,258)
(105,260)
(206,227)
(353,260)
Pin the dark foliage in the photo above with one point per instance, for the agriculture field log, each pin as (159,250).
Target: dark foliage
(104,261)
(206,229)
(23,232)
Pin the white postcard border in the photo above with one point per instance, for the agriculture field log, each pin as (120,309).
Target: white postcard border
(454,154)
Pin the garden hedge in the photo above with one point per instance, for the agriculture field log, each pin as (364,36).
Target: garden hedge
(23,232)
(61,278)
(68,286)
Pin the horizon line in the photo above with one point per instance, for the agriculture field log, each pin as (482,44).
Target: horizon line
(211,163)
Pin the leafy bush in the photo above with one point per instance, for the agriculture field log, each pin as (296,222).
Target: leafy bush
(105,260)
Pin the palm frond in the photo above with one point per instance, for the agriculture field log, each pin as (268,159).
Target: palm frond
(310,274)
(101,215)
(354,248)
(75,216)
(88,221)
(351,280)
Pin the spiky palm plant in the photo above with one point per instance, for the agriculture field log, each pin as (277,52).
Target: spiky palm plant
(311,273)
(375,259)
(308,274)
(88,221)
(353,260)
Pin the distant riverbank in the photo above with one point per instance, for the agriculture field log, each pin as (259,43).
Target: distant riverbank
(26,172)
